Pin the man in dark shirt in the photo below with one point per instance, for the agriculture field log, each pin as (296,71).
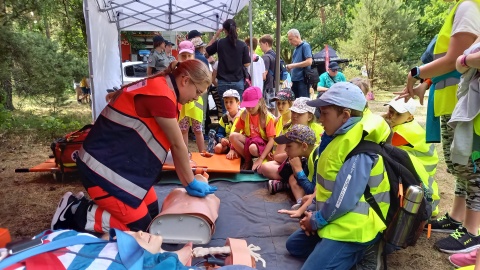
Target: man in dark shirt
(301,59)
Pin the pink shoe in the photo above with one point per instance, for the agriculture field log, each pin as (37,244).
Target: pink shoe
(463,259)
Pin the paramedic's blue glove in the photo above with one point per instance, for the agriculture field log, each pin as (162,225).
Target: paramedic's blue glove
(199,189)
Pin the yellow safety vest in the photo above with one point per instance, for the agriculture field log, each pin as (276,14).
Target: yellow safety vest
(414,134)
(192,109)
(263,134)
(445,97)
(361,224)
(312,158)
(228,126)
(318,129)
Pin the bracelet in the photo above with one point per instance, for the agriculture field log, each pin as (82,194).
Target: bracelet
(463,61)
(429,82)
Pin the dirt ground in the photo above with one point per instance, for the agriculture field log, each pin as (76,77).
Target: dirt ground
(28,200)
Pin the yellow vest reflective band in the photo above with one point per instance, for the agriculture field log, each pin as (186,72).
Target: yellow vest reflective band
(246,130)
(311,162)
(361,224)
(318,129)
(414,134)
(193,109)
(428,181)
(445,95)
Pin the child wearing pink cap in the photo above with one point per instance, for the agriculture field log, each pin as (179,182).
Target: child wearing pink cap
(191,114)
(258,126)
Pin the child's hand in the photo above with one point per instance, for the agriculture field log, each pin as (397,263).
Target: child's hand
(296,164)
(257,164)
(232,154)
(292,213)
(270,156)
(224,142)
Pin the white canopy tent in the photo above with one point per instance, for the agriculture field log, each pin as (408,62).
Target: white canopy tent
(106,19)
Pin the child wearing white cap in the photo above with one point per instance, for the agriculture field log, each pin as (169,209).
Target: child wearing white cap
(337,235)
(410,136)
(231,102)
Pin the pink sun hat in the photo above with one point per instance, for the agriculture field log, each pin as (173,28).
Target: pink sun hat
(251,96)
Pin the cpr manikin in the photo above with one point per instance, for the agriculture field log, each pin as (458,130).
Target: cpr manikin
(185,218)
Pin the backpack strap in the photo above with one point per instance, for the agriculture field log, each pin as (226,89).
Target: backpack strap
(370,147)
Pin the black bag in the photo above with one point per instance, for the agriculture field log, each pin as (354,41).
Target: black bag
(311,77)
(401,175)
(283,66)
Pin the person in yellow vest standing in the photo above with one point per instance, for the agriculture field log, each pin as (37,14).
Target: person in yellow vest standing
(337,235)
(460,29)
(410,136)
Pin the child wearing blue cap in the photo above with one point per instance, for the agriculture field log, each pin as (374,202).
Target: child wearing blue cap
(338,233)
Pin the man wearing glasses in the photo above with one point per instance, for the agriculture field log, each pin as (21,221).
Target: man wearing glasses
(329,77)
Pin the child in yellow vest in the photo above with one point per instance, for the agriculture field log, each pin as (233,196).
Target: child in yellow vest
(258,126)
(410,136)
(231,102)
(191,114)
(279,170)
(344,226)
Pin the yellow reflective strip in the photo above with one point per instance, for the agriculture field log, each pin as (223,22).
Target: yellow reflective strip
(140,127)
(326,184)
(430,168)
(198,105)
(375,180)
(446,83)
(111,176)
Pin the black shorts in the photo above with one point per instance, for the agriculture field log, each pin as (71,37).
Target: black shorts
(285,169)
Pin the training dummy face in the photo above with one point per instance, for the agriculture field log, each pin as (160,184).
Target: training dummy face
(149,242)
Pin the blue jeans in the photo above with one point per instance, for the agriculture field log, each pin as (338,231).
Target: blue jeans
(224,86)
(325,253)
(300,89)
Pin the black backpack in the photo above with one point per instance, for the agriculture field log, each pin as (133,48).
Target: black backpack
(401,175)
(283,67)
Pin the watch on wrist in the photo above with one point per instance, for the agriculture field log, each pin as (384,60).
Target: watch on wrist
(415,72)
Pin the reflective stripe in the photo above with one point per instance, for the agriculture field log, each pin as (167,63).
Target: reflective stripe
(140,127)
(326,184)
(198,105)
(417,153)
(90,225)
(430,183)
(445,83)
(439,55)
(363,207)
(375,180)
(430,168)
(111,176)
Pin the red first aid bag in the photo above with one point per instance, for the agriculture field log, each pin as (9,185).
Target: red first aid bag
(66,147)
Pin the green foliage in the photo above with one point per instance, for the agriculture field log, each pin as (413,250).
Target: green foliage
(378,31)
(5,119)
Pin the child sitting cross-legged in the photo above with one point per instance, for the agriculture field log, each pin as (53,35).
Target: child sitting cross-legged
(231,102)
(258,126)
(279,170)
(300,143)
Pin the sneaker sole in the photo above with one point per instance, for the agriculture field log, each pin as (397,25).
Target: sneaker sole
(440,230)
(456,266)
(466,250)
(62,205)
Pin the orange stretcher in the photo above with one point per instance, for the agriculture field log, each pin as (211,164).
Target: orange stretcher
(48,165)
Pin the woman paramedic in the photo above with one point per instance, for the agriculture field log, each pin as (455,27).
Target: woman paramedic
(123,155)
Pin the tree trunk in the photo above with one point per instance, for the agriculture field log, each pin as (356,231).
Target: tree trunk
(372,76)
(7,101)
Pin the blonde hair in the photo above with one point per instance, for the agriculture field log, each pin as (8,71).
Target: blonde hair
(263,110)
(193,68)
(362,83)
(312,120)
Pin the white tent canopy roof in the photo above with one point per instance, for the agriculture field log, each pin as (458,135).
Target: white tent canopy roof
(168,15)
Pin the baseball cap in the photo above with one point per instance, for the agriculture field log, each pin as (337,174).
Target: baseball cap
(343,94)
(333,66)
(231,93)
(284,95)
(251,96)
(300,106)
(401,106)
(197,42)
(297,133)
(158,39)
(167,43)
(186,46)
(193,33)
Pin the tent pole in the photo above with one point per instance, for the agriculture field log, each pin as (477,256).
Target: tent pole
(119,34)
(277,44)
(251,38)
(90,61)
